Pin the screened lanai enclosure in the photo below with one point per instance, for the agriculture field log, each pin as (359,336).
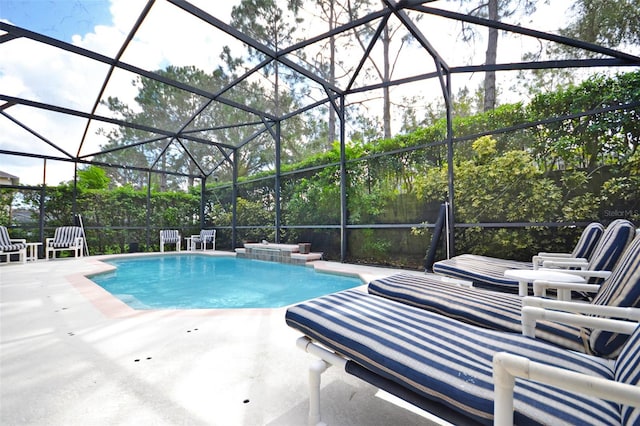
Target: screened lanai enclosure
(357,126)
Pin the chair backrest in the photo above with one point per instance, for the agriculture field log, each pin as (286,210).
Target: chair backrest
(5,240)
(207,235)
(169,235)
(612,244)
(627,370)
(622,289)
(588,240)
(67,234)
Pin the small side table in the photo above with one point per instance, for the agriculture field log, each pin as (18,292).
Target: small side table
(526,276)
(32,251)
(191,246)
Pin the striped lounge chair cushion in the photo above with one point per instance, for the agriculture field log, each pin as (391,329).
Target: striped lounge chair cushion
(206,235)
(65,236)
(612,244)
(588,240)
(489,309)
(627,370)
(6,245)
(447,361)
(170,236)
(12,247)
(622,288)
(483,271)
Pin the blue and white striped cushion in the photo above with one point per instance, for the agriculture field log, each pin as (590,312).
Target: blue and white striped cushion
(622,288)
(489,309)
(65,236)
(6,245)
(12,247)
(5,240)
(206,235)
(612,244)
(483,271)
(448,361)
(588,240)
(627,370)
(170,235)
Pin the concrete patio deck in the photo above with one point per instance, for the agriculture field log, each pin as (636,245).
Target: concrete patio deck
(71,354)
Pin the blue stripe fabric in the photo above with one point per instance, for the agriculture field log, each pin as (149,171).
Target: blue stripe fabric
(483,271)
(448,361)
(502,311)
(627,370)
(622,288)
(65,236)
(4,237)
(206,235)
(170,235)
(588,240)
(612,244)
(489,309)
(6,245)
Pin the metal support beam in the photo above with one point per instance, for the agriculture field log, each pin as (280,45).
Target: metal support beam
(74,210)
(344,211)
(148,236)
(203,194)
(528,32)
(234,202)
(278,180)
(43,196)
(451,221)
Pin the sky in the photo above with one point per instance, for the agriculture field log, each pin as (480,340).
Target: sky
(28,70)
(59,19)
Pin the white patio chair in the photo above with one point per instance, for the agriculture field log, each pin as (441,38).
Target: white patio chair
(170,236)
(9,246)
(206,236)
(65,238)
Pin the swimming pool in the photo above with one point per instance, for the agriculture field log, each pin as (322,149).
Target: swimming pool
(192,281)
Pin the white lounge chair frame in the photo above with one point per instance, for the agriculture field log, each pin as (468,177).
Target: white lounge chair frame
(509,365)
(75,244)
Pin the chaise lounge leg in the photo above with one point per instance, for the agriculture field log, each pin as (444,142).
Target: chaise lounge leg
(315,375)
(327,359)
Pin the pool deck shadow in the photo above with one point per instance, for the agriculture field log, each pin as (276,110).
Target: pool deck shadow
(72,354)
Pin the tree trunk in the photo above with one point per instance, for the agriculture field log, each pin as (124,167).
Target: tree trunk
(492,50)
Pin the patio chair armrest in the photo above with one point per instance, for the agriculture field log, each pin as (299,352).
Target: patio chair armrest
(508,366)
(532,314)
(18,240)
(541,257)
(79,241)
(551,254)
(540,287)
(565,263)
(48,241)
(622,313)
(585,273)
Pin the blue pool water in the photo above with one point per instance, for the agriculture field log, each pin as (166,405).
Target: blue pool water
(201,282)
